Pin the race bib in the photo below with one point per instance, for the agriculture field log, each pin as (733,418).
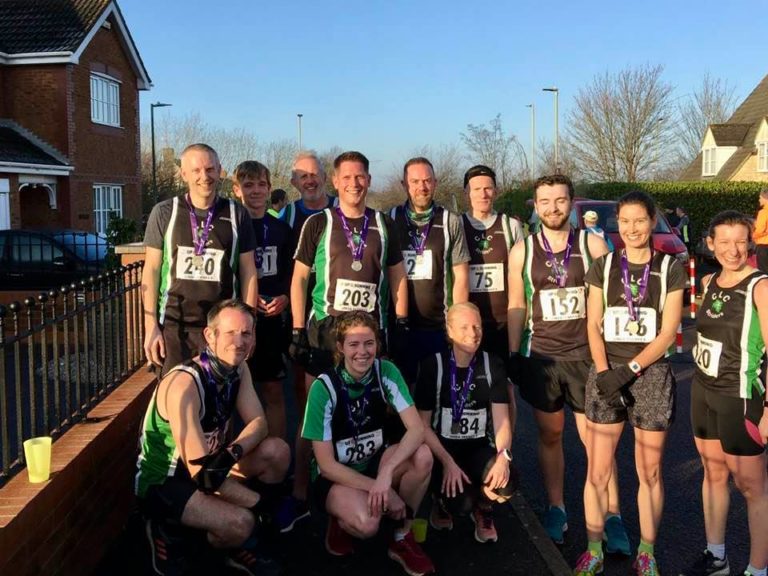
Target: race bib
(618,326)
(471,425)
(418,267)
(556,305)
(486,277)
(206,267)
(266,261)
(351,451)
(354,295)
(707,355)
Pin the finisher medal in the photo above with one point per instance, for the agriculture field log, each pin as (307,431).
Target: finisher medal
(419,259)
(456,428)
(633,327)
(197,261)
(357,265)
(562,293)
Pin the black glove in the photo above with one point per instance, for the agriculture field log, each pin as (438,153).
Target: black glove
(215,468)
(610,382)
(400,340)
(514,368)
(298,350)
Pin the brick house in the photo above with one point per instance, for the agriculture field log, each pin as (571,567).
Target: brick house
(70,76)
(738,149)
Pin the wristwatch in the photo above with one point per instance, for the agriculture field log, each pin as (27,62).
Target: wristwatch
(236,450)
(635,367)
(506,453)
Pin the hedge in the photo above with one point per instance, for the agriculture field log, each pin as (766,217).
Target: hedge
(701,200)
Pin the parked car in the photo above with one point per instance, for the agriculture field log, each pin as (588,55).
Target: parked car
(45,259)
(664,237)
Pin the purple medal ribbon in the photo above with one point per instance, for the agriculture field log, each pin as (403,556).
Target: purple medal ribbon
(354,422)
(561,278)
(221,398)
(642,285)
(200,240)
(357,251)
(458,402)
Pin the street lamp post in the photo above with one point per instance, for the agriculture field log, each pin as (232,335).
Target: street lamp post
(154,158)
(557,130)
(299,117)
(533,139)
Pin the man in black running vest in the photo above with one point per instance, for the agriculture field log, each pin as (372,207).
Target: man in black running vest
(199,251)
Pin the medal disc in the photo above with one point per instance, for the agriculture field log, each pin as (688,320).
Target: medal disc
(419,259)
(197,261)
(357,265)
(633,327)
(455,427)
(562,293)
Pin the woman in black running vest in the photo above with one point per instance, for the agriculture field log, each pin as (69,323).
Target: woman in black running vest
(729,413)
(633,309)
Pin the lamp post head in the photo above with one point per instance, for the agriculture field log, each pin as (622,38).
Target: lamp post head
(159,105)
(552,89)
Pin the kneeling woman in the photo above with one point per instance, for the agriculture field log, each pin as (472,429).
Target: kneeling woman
(633,310)
(729,413)
(463,399)
(357,479)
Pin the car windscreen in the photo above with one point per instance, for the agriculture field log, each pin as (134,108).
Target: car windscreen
(89,247)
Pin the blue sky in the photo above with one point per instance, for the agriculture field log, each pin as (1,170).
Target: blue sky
(387,77)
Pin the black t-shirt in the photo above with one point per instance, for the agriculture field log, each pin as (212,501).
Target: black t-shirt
(488,386)
(274,255)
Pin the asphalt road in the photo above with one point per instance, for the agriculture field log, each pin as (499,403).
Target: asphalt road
(681,536)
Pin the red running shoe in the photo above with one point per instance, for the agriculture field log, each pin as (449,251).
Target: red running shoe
(337,542)
(410,556)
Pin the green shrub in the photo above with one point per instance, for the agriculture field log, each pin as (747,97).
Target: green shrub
(701,200)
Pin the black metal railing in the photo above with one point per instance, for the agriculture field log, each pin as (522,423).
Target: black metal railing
(63,352)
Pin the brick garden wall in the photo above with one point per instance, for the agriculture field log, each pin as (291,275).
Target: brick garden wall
(63,527)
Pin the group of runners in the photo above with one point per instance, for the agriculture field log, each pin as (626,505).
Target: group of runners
(408,331)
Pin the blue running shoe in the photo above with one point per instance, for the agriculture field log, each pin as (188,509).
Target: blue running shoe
(289,512)
(616,539)
(556,524)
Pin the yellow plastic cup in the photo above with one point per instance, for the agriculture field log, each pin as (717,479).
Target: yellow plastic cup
(419,529)
(37,452)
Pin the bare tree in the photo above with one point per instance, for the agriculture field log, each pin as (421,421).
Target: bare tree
(712,102)
(490,145)
(621,125)
(566,164)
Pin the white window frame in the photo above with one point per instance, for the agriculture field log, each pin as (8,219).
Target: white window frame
(762,156)
(709,161)
(105,100)
(107,199)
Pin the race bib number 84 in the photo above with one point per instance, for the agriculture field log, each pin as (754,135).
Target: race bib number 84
(470,426)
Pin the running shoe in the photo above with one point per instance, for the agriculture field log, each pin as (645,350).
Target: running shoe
(337,541)
(616,539)
(556,524)
(254,562)
(290,511)
(485,531)
(589,564)
(410,556)
(708,565)
(645,565)
(167,547)
(439,517)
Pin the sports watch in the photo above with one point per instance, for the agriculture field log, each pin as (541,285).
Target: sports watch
(506,453)
(635,367)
